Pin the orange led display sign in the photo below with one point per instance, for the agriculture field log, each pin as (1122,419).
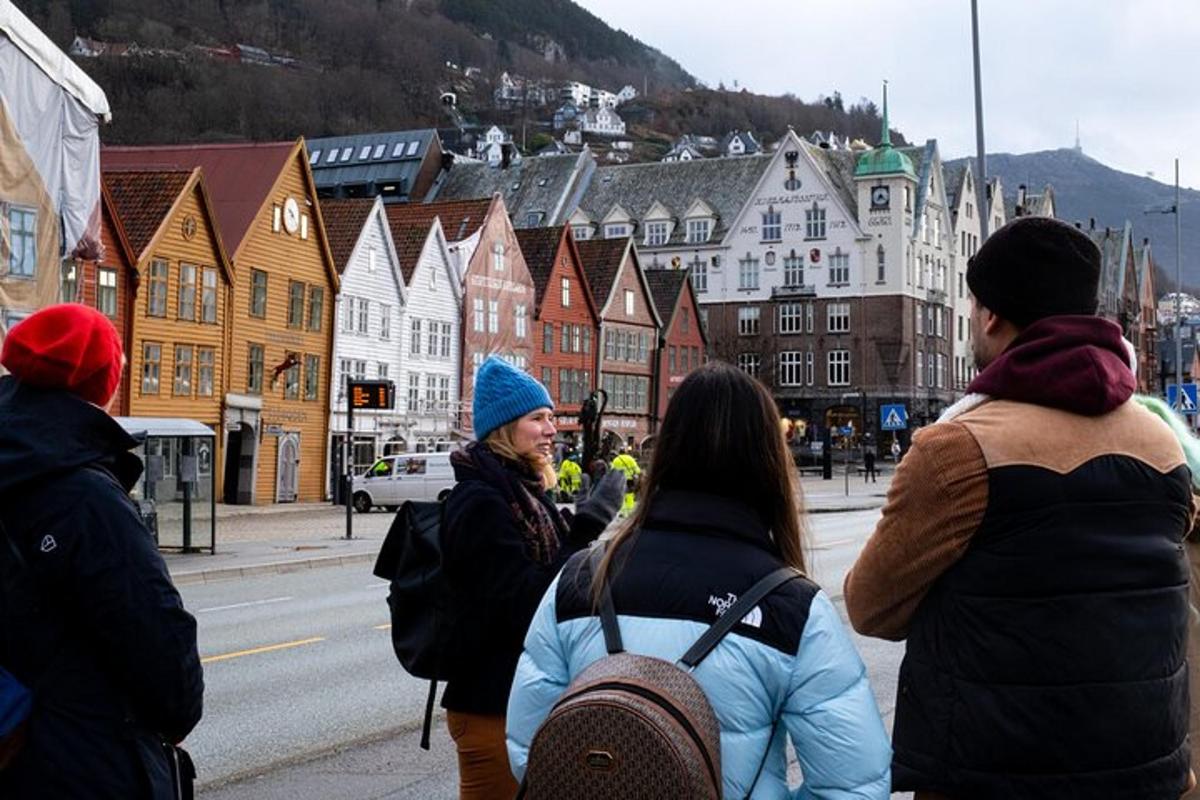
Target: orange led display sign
(372,394)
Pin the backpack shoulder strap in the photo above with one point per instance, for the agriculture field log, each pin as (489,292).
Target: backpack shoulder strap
(716,632)
(608,612)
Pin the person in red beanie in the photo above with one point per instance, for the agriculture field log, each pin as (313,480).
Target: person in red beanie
(90,620)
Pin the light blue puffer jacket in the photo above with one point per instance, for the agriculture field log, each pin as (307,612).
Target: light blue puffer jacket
(818,691)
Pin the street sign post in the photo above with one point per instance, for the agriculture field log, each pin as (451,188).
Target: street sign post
(893,417)
(1188,403)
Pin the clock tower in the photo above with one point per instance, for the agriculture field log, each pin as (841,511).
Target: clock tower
(887,188)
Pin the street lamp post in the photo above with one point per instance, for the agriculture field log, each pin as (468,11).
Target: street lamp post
(981,153)
(1174,209)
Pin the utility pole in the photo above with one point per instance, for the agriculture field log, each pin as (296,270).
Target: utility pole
(980,152)
(1178,298)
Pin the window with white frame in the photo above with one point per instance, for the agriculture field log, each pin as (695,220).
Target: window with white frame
(808,316)
(385,321)
(22,241)
(443,392)
(791,318)
(793,270)
(381,369)
(839,368)
(106,291)
(657,233)
(493,316)
(431,339)
(920,318)
(522,320)
(477,307)
(839,268)
(582,232)
(414,342)
(445,351)
(347,313)
(360,370)
(880,265)
(364,315)
(748,318)
(616,230)
(430,392)
(498,257)
(566,292)
(814,222)
(629,302)
(772,225)
(698,230)
(748,272)
(699,273)
(749,363)
(920,369)
(941,371)
(414,392)
(810,369)
(791,368)
(838,317)
(930,370)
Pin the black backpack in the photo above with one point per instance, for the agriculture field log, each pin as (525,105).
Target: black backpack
(420,600)
(16,699)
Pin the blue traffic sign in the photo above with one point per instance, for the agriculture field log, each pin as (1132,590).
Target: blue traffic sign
(1189,403)
(893,417)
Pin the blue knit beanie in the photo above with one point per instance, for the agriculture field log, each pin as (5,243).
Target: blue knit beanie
(504,393)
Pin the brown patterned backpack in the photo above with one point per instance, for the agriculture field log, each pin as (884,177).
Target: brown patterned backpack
(633,726)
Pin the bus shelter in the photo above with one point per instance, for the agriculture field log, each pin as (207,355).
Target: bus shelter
(176,493)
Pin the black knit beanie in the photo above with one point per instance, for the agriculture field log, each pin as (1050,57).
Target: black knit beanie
(1036,267)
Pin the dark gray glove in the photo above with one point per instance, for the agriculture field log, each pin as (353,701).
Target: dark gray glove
(605,500)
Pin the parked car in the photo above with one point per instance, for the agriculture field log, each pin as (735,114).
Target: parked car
(392,480)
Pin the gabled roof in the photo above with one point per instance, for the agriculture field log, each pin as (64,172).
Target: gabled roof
(723,183)
(460,218)
(539,246)
(547,185)
(602,259)
(344,222)
(239,176)
(837,166)
(665,286)
(143,199)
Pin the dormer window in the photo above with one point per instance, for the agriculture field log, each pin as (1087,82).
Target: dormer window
(657,233)
(698,230)
(616,230)
(582,232)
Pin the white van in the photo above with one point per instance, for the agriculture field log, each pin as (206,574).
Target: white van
(392,480)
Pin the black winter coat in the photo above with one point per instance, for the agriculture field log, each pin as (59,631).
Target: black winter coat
(497,586)
(106,644)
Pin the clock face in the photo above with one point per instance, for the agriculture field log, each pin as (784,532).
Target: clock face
(880,196)
(291,215)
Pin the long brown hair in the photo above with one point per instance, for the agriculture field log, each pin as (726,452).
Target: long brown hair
(721,436)
(502,443)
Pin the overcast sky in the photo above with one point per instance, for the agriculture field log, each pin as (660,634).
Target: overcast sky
(1125,69)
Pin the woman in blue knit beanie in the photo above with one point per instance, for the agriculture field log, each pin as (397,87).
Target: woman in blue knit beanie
(503,542)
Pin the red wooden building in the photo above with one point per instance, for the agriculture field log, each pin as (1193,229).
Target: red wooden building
(682,341)
(566,329)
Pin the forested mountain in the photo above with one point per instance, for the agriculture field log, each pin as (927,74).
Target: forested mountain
(173,71)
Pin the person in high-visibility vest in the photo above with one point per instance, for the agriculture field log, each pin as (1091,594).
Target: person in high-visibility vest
(629,465)
(569,477)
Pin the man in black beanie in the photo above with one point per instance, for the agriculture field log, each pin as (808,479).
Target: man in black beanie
(1031,554)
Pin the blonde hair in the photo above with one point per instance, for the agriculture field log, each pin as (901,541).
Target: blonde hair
(501,442)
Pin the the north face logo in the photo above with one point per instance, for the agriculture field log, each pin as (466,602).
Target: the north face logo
(723,604)
(48,544)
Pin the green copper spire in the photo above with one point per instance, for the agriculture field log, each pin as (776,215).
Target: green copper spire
(886,139)
(884,159)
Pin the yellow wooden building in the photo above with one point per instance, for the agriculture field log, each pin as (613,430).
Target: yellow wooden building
(177,319)
(280,317)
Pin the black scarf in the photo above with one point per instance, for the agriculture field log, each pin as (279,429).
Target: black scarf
(543,528)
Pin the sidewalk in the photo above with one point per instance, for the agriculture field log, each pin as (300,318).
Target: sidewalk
(258,540)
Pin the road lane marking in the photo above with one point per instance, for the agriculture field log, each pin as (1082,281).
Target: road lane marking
(833,544)
(266,649)
(246,605)
(386,627)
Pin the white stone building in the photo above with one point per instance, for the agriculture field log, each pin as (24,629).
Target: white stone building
(603,121)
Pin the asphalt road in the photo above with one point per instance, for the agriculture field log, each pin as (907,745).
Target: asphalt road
(306,700)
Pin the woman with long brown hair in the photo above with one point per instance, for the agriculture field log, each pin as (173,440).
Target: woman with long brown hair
(503,541)
(720,509)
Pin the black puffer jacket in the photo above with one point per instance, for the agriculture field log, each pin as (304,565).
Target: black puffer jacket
(106,644)
(496,581)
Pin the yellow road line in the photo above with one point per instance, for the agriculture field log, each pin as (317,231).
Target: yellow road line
(266,649)
(386,627)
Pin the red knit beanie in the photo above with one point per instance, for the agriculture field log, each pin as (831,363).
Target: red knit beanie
(68,346)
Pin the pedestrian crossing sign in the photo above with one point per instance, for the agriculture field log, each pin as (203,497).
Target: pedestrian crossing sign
(1187,404)
(893,417)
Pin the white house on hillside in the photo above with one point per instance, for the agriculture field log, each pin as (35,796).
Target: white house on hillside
(603,122)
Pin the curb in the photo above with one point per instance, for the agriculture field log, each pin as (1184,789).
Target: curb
(193,577)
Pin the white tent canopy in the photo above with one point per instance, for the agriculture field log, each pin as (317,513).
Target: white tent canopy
(54,62)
